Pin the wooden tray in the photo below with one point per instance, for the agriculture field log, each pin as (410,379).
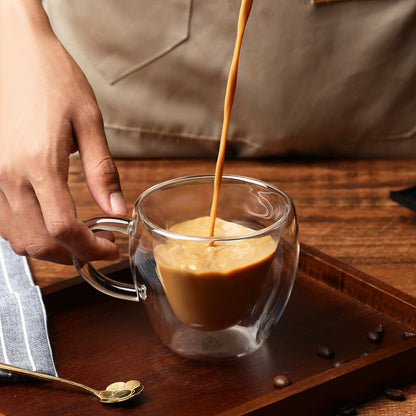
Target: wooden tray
(97,340)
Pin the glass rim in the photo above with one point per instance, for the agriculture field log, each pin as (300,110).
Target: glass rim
(210,178)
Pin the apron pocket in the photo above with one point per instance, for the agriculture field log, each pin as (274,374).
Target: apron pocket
(116,43)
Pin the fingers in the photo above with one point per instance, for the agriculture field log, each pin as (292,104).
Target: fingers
(63,226)
(38,218)
(17,228)
(8,226)
(37,212)
(99,168)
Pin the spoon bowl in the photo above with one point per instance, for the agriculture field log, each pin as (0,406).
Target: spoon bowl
(120,391)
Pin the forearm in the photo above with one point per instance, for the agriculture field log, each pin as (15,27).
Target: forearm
(26,17)
(25,32)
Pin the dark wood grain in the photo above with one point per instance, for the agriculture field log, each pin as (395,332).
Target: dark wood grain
(350,281)
(99,339)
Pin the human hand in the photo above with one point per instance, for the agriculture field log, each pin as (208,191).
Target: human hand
(48,111)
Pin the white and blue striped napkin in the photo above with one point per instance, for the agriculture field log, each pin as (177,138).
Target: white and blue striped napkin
(24,340)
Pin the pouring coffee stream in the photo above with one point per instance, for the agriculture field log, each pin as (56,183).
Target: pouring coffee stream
(185,267)
(228,104)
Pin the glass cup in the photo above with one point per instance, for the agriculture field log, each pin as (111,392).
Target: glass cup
(207,297)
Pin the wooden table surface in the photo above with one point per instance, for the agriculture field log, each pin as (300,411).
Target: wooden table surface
(343,209)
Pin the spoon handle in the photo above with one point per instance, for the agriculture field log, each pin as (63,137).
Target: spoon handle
(43,376)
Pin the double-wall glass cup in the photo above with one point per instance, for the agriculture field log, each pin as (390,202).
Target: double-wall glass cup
(207,297)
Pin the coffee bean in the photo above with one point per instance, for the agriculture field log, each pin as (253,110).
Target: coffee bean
(407,335)
(325,351)
(395,394)
(281,381)
(346,409)
(374,337)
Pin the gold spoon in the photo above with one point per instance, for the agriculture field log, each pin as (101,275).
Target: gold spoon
(114,393)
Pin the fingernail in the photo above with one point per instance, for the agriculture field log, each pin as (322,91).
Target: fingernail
(118,205)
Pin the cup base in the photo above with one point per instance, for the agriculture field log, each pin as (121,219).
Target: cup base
(233,342)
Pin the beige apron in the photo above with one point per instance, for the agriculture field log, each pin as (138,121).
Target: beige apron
(337,78)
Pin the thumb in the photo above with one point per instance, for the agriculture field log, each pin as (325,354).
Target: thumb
(99,168)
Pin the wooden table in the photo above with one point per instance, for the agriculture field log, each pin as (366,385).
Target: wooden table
(343,209)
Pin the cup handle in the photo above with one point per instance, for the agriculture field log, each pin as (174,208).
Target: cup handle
(96,278)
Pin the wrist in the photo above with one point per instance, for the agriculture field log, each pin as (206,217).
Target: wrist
(23,17)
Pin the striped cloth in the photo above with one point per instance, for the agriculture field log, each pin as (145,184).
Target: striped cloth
(24,340)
